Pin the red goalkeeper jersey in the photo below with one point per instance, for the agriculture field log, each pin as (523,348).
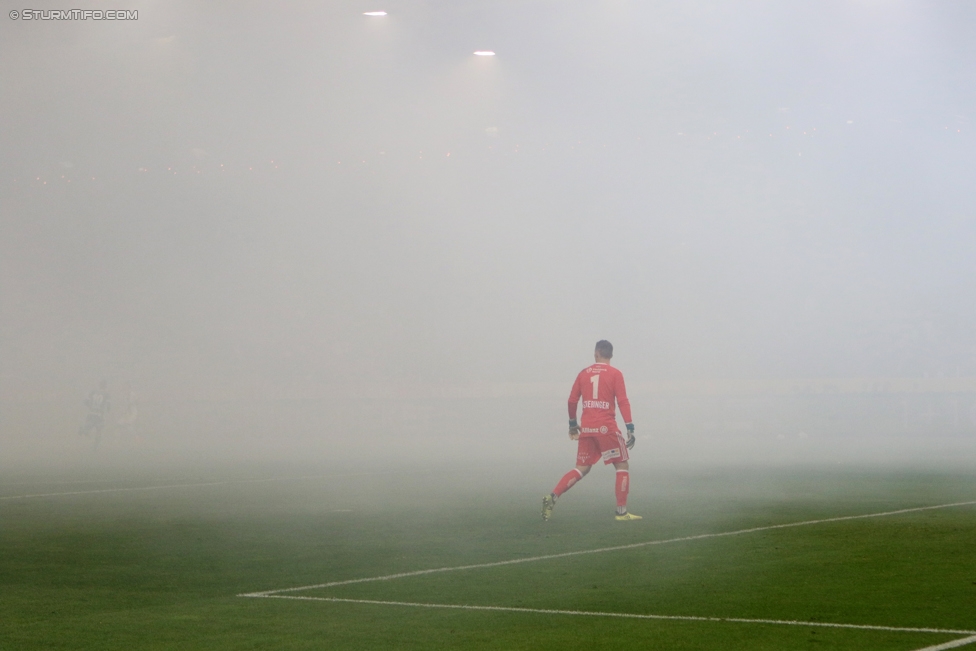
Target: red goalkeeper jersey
(599,386)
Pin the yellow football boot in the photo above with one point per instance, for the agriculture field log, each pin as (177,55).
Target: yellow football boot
(628,516)
(548,502)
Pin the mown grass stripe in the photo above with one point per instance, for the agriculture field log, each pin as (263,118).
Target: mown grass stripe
(531,559)
(589,613)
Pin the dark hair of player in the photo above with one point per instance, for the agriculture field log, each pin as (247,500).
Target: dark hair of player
(604,349)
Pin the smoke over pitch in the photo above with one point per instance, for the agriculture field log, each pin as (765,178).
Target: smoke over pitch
(293,228)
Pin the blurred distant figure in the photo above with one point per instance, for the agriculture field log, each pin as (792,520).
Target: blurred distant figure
(99,405)
(601,387)
(130,411)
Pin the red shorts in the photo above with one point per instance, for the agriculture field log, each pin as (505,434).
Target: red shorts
(612,448)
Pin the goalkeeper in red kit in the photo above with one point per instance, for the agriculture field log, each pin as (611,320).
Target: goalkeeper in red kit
(600,386)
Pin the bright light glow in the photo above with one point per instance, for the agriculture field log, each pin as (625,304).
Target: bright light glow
(484,53)
(375,13)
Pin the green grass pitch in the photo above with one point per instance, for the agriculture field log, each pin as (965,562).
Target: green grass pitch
(162,568)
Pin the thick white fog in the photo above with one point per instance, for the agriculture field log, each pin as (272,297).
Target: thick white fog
(287,230)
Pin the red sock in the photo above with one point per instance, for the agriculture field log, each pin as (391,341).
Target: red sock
(623,487)
(567,482)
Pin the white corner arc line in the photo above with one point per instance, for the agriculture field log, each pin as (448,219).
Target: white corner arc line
(530,559)
(683,618)
(950,645)
(198,485)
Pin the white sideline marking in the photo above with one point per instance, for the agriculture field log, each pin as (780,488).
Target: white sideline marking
(683,618)
(62,482)
(197,485)
(950,645)
(531,559)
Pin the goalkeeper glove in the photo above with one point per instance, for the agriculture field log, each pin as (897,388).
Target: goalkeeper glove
(631,439)
(573,429)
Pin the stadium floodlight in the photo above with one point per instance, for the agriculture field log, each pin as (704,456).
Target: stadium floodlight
(374,13)
(484,53)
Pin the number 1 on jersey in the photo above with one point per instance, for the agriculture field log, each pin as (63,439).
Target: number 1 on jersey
(595,381)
